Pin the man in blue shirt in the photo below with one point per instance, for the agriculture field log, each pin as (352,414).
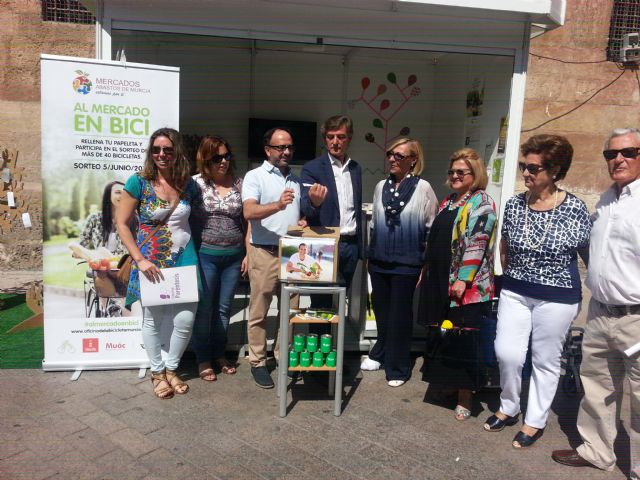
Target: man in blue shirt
(271,204)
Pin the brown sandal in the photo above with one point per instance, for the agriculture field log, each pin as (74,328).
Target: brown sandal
(176,383)
(161,385)
(226,367)
(206,373)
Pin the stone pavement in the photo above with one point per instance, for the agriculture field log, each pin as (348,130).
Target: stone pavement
(107,425)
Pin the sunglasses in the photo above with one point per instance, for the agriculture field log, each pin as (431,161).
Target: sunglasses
(282,148)
(629,152)
(218,158)
(459,173)
(158,150)
(398,157)
(532,168)
(339,136)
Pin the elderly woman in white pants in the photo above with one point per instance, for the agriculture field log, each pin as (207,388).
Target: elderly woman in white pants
(543,230)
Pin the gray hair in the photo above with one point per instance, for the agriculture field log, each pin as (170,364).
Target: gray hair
(619,132)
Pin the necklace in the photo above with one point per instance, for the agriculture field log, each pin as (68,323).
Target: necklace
(527,241)
(453,205)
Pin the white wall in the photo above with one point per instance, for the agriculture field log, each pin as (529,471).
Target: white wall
(291,84)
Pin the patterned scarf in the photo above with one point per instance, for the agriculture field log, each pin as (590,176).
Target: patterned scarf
(394,200)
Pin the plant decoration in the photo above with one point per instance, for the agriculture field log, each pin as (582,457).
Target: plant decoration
(382,111)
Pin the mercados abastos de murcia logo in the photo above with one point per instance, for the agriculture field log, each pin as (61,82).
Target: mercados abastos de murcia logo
(81,83)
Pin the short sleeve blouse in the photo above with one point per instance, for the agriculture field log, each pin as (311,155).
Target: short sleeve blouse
(172,244)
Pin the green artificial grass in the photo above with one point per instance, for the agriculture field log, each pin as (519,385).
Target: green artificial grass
(23,349)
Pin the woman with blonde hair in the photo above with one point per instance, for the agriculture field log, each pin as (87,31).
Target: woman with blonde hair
(459,275)
(404,206)
(161,194)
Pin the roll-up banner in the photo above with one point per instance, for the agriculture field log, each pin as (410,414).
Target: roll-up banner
(97,117)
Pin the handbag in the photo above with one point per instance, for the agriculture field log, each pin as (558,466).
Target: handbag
(126,261)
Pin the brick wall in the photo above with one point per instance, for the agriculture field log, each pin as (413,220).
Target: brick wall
(23,37)
(554,88)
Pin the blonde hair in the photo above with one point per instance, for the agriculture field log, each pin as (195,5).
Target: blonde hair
(475,164)
(415,149)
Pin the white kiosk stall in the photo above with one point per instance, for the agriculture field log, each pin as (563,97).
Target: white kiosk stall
(447,72)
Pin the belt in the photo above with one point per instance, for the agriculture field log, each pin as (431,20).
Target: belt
(269,248)
(619,310)
(349,238)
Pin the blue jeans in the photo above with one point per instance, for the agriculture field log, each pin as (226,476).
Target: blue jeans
(220,277)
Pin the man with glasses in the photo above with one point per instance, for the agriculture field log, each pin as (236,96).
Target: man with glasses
(611,347)
(271,204)
(332,197)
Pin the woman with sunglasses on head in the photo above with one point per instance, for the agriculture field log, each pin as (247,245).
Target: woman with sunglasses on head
(161,194)
(543,231)
(404,207)
(458,284)
(221,233)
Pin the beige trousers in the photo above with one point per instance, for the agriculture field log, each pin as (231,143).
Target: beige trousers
(603,371)
(264,267)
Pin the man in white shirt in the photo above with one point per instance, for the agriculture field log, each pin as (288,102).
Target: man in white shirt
(332,196)
(613,320)
(271,204)
(299,265)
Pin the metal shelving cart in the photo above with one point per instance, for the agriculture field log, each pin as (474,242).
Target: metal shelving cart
(287,323)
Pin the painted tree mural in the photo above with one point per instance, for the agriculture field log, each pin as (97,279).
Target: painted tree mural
(384,110)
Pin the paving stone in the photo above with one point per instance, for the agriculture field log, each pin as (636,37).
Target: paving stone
(77,405)
(260,463)
(102,422)
(90,442)
(9,448)
(112,404)
(230,430)
(61,423)
(171,466)
(142,420)
(133,442)
(25,466)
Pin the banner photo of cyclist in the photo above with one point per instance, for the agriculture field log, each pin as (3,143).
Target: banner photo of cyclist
(96,119)
(308,259)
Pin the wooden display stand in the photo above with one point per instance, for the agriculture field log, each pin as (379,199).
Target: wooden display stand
(287,323)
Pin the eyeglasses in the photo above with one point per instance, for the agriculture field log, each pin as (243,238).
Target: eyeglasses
(282,148)
(532,168)
(398,157)
(459,173)
(629,152)
(339,136)
(158,150)
(218,158)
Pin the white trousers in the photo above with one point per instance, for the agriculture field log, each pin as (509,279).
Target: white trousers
(546,323)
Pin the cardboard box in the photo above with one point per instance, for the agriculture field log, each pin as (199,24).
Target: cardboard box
(309,255)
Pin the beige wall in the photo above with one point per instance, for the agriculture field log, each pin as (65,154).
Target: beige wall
(554,88)
(23,37)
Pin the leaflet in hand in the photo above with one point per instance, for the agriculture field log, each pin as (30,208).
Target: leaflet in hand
(180,285)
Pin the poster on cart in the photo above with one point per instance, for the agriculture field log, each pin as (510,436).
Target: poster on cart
(96,120)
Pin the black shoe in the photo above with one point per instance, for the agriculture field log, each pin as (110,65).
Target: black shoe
(494,424)
(262,377)
(522,440)
(293,374)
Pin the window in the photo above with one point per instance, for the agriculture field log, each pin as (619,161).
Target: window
(66,11)
(625,18)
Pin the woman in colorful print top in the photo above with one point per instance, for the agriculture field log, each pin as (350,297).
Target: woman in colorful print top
(458,283)
(163,184)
